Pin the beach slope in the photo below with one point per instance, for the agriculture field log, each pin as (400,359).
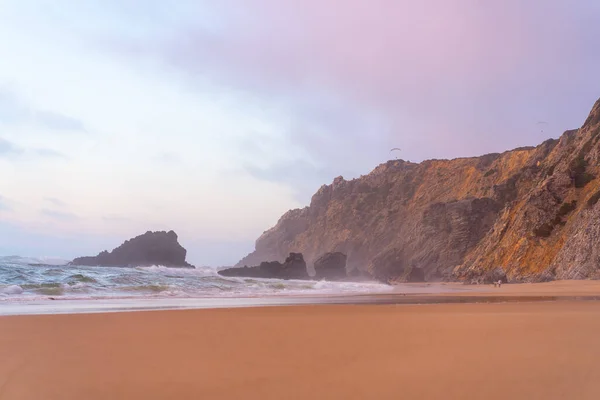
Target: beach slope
(531,350)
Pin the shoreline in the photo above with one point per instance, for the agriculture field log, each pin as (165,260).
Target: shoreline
(406,294)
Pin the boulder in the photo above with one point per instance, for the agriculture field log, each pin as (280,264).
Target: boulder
(294,267)
(151,248)
(331,266)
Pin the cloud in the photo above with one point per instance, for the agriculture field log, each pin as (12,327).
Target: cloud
(115,218)
(55,202)
(14,111)
(329,86)
(50,153)
(168,158)
(438,78)
(9,149)
(20,240)
(59,215)
(57,121)
(4,206)
(303,178)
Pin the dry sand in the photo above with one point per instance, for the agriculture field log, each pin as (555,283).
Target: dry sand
(531,350)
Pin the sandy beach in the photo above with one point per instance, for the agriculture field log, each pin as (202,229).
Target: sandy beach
(529,350)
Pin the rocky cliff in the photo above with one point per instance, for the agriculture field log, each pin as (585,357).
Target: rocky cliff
(531,212)
(151,248)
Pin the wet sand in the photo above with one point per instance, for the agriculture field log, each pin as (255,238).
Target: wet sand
(554,289)
(528,350)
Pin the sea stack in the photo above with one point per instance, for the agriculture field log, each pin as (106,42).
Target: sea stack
(331,267)
(151,248)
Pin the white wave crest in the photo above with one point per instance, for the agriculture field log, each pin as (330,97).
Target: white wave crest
(203,271)
(12,290)
(54,261)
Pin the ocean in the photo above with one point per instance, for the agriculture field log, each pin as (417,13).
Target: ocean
(28,279)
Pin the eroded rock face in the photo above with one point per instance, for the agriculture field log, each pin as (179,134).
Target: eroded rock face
(359,275)
(151,248)
(532,212)
(414,274)
(294,267)
(392,266)
(331,267)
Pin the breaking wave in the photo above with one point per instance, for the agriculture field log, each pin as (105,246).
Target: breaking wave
(29,278)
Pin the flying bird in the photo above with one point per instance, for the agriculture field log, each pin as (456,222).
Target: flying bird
(542,123)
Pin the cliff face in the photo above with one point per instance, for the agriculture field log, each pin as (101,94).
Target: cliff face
(532,212)
(151,248)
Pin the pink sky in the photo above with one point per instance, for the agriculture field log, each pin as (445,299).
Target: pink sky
(266,100)
(438,78)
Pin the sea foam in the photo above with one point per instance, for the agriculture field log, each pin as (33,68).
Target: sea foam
(21,279)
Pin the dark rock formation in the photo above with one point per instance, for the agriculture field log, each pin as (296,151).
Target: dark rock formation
(294,267)
(264,270)
(392,266)
(331,266)
(533,212)
(151,248)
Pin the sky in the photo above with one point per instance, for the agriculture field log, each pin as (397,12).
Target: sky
(214,118)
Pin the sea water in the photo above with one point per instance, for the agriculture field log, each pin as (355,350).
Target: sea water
(27,279)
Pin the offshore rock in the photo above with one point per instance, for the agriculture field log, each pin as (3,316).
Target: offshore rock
(151,248)
(294,267)
(331,267)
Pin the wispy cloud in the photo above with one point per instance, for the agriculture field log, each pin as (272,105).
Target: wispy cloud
(14,111)
(57,121)
(168,158)
(4,206)
(55,202)
(50,153)
(59,215)
(9,149)
(439,78)
(339,84)
(303,178)
(115,218)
